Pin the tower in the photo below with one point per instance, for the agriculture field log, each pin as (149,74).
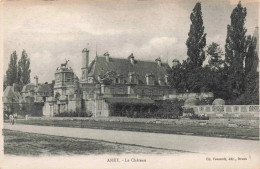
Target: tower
(84,67)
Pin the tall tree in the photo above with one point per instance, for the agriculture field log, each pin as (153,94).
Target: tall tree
(236,48)
(251,60)
(24,68)
(251,95)
(197,38)
(11,73)
(215,53)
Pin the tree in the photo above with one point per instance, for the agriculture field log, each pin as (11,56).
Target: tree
(186,78)
(251,95)
(24,68)
(236,47)
(177,77)
(197,38)
(11,73)
(215,53)
(252,88)
(251,60)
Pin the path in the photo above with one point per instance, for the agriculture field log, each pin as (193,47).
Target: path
(198,144)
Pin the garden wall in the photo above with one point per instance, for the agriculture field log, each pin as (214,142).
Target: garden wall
(227,111)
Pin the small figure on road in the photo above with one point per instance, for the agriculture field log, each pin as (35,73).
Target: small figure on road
(11,119)
(15,117)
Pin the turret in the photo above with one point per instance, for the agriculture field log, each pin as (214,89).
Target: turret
(84,68)
(85,58)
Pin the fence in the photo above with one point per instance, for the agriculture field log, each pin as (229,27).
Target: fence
(227,111)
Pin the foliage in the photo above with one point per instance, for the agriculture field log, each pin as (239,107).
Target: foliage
(191,114)
(24,68)
(236,48)
(197,38)
(186,78)
(215,53)
(72,113)
(18,73)
(252,88)
(11,73)
(177,77)
(162,109)
(169,109)
(251,60)
(229,79)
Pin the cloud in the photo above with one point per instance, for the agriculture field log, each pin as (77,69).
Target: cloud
(44,64)
(163,41)
(158,46)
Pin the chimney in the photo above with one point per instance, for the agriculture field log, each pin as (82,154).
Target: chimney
(175,62)
(132,58)
(159,62)
(84,68)
(85,58)
(107,56)
(36,81)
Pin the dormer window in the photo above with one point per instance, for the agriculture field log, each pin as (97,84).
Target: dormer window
(140,82)
(149,79)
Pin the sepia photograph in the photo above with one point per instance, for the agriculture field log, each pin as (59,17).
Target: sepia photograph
(129,84)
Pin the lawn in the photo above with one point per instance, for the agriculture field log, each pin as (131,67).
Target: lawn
(188,129)
(29,144)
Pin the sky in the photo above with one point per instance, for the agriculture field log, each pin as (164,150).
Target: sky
(54,30)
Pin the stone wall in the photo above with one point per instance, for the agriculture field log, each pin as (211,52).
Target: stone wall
(184,96)
(227,111)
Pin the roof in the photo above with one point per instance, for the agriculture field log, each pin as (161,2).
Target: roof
(122,67)
(44,88)
(28,87)
(129,100)
(10,95)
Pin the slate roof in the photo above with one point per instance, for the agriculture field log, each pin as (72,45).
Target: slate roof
(122,67)
(44,88)
(10,95)
(28,87)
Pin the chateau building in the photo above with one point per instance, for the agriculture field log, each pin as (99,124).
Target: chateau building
(107,80)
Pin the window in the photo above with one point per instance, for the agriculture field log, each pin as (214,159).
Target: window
(91,96)
(99,104)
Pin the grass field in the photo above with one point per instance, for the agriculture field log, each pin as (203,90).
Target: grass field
(211,131)
(29,144)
